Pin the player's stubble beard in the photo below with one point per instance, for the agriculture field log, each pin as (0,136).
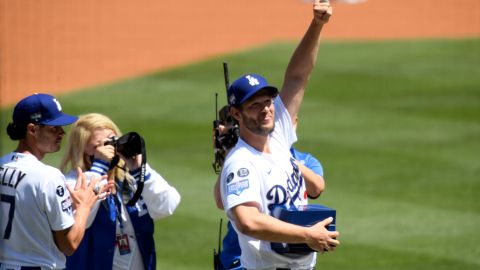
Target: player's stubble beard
(255,126)
(50,139)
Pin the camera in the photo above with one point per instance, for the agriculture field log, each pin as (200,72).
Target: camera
(229,139)
(129,145)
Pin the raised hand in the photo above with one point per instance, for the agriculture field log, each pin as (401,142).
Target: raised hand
(83,194)
(322,11)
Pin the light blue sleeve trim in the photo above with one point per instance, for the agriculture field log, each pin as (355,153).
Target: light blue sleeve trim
(100,167)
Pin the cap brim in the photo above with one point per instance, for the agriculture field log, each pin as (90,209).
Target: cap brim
(63,120)
(273,90)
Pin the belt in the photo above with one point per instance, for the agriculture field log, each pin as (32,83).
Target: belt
(28,267)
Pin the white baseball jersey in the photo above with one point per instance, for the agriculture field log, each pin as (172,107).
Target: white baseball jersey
(269,180)
(34,202)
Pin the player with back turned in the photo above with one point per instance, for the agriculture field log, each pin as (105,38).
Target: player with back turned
(259,172)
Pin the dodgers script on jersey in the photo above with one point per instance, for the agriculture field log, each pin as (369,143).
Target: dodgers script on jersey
(34,202)
(269,180)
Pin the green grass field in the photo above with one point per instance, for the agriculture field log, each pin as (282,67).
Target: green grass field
(395,124)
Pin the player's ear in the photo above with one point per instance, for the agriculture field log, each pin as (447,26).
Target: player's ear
(31,129)
(235,113)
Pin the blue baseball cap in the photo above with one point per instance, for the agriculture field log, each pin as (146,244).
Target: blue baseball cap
(246,86)
(41,109)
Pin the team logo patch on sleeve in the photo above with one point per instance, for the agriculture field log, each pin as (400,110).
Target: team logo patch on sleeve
(243,172)
(230,177)
(237,187)
(67,205)
(60,191)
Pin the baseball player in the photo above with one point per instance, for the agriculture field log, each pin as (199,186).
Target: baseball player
(311,170)
(259,172)
(41,218)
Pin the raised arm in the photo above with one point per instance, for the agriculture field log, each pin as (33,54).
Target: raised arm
(303,60)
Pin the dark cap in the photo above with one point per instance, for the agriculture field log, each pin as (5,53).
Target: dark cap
(41,109)
(246,86)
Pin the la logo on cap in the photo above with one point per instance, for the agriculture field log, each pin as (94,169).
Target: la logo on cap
(252,80)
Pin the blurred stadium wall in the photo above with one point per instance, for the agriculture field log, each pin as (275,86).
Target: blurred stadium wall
(57,45)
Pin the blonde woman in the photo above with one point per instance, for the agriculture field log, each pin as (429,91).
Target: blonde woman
(119,236)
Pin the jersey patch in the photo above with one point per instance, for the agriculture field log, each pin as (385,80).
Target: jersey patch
(60,191)
(230,177)
(67,205)
(238,187)
(243,172)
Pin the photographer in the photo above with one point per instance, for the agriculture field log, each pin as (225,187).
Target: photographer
(120,235)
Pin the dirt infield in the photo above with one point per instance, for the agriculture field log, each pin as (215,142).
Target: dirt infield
(55,46)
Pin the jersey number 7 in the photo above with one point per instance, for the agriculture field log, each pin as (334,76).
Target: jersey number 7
(10,200)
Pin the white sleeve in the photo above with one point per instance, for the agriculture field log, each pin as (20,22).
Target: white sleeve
(161,198)
(284,132)
(71,180)
(57,201)
(239,184)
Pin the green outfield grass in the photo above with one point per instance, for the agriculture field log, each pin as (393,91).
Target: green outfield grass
(395,124)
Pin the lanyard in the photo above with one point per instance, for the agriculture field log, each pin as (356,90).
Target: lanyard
(118,210)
